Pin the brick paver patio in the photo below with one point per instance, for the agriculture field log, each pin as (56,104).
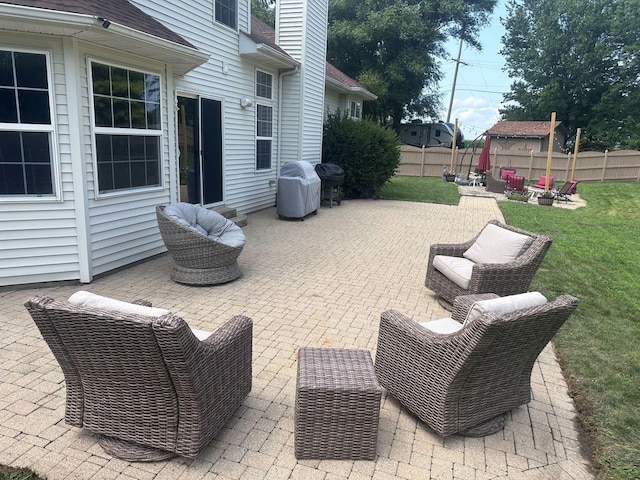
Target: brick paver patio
(322,282)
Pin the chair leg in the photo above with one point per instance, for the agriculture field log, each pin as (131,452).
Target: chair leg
(133,452)
(492,425)
(445,304)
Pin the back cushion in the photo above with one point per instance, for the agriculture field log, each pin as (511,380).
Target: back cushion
(505,173)
(497,245)
(503,305)
(88,299)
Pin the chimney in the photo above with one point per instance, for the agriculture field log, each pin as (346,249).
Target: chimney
(301,30)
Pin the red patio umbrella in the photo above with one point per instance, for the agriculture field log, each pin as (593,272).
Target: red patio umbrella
(484,163)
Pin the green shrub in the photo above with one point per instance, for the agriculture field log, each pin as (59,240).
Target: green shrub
(368,153)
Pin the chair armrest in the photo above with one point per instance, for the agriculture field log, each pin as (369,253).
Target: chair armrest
(144,303)
(403,342)
(417,366)
(463,304)
(448,249)
(211,377)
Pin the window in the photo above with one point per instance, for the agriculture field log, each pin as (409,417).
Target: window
(354,111)
(264,121)
(26,127)
(127,127)
(226,12)
(264,140)
(263,84)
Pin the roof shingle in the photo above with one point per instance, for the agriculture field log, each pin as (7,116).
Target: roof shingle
(117,11)
(512,128)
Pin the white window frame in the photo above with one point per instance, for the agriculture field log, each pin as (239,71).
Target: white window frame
(355,109)
(264,102)
(50,129)
(215,8)
(101,130)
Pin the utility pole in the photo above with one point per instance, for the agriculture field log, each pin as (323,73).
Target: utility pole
(455,78)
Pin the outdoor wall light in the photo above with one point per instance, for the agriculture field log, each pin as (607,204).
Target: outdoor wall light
(246,102)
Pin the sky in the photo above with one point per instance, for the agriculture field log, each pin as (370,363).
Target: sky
(480,82)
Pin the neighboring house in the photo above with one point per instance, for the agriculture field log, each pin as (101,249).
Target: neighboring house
(527,136)
(343,94)
(109,108)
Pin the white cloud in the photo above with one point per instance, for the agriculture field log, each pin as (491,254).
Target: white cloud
(475,115)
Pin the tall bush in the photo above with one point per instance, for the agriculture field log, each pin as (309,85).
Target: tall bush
(368,153)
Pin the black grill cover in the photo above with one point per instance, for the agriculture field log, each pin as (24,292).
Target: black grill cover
(331,175)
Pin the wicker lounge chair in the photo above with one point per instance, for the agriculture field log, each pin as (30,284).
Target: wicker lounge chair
(146,383)
(495,185)
(467,276)
(204,245)
(463,382)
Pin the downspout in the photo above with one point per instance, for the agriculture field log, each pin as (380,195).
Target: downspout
(283,73)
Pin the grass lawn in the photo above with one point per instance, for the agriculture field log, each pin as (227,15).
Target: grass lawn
(7,473)
(420,189)
(595,256)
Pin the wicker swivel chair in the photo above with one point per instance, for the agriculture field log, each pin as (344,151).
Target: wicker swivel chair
(204,245)
(146,383)
(466,275)
(464,381)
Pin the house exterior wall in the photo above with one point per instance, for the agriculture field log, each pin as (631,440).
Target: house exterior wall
(527,144)
(303,93)
(225,77)
(33,245)
(122,226)
(79,232)
(333,102)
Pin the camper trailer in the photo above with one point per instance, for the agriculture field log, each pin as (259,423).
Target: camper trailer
(438,134)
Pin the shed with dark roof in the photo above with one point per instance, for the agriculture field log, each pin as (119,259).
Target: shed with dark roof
(527,136)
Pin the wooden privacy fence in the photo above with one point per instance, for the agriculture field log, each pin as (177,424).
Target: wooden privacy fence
(590,166)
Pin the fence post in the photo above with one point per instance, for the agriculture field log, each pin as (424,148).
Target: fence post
(422,163)
(566,174)
(604,165)
(530,164)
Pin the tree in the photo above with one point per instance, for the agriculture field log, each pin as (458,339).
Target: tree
(263,9)
(368,153)
(391,47)
(574,57)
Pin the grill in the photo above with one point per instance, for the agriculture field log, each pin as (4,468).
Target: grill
(331,178)
(298,190)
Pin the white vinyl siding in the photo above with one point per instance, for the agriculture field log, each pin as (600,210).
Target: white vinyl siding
(226,77)
(38,240)
(301,31)
(122,227)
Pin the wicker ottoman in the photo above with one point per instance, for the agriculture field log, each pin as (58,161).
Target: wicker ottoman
(337,404)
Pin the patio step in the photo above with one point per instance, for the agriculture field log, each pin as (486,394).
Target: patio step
(232,214)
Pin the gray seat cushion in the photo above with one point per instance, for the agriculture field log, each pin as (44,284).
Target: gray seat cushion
(207,222)
(456,269)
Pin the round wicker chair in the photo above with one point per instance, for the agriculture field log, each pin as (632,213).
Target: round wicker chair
(204,245)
